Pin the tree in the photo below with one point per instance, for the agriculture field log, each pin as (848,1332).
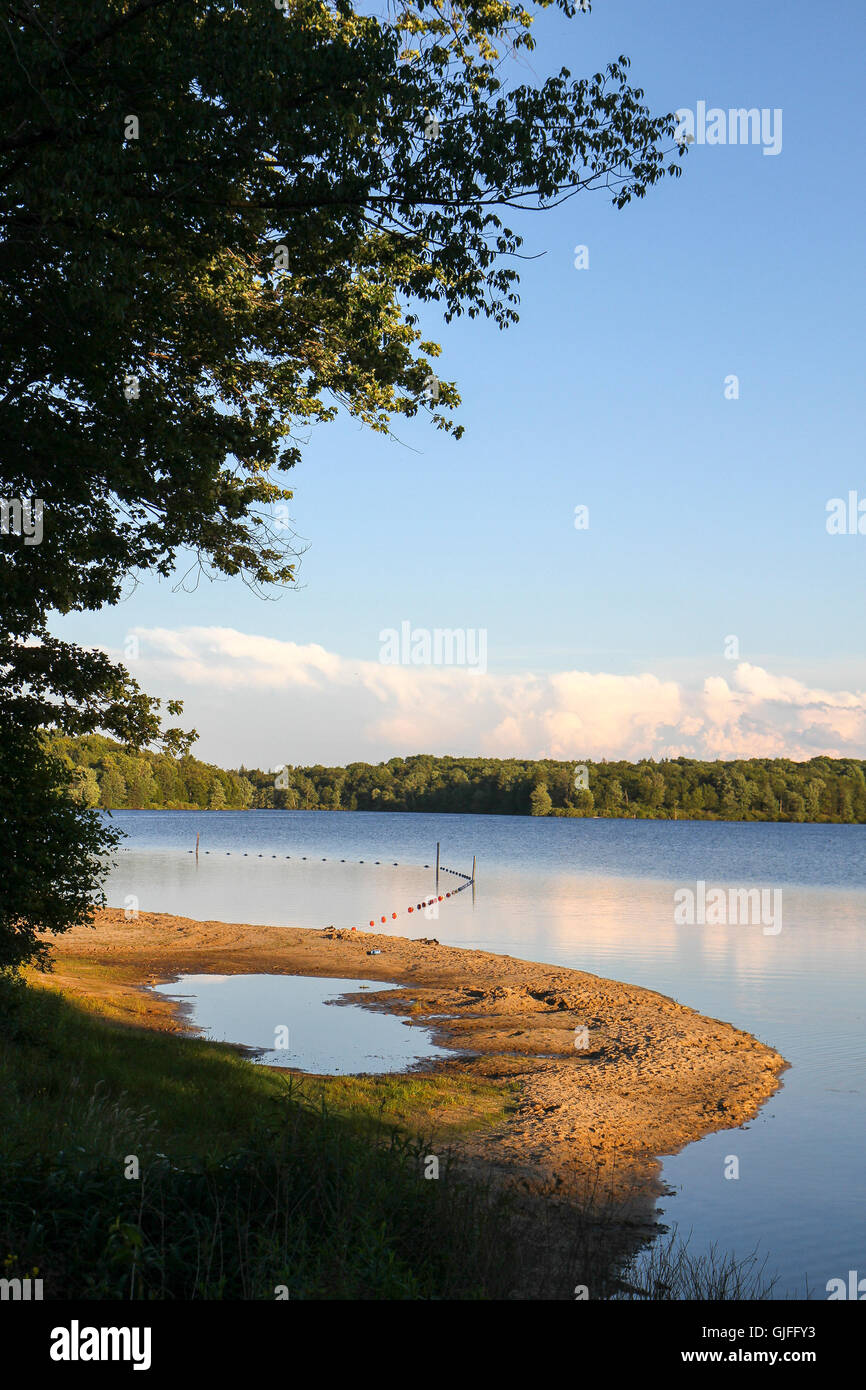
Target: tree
(540,803)
(113,786)
(217,800)
(51,849)
(651,788)
(85,788)
(141,784)
(242,789)
(218,224)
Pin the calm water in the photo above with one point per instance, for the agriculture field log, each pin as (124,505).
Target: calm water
(302,1022)
(598,896)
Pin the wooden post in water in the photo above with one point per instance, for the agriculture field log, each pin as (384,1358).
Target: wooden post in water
(196,843)
(473,868)
(437,864)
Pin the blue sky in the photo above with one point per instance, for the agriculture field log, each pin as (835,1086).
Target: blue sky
(706,515)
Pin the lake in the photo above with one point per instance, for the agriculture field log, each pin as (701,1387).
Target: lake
(599,895)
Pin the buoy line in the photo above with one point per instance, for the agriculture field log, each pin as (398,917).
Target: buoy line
(419,907)
(324,860)
(425,902)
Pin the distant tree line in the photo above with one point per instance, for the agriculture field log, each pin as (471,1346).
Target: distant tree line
(110,776)
(763,789)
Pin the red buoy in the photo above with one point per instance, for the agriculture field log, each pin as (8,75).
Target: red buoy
(384,919)
(440,897)
(411,909)
(372,923)
(393,914)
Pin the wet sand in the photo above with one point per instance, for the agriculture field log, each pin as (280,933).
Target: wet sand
(595,1108)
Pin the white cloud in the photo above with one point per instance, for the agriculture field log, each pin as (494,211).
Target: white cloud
(765,715)
(262,700)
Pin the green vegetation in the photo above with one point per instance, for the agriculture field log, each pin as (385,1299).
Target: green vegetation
(107,774)
(248,1180)
(51,849)
(667,1272)
(753,789)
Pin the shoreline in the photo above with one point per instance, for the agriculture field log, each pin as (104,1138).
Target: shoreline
(649,1076)
(557,813)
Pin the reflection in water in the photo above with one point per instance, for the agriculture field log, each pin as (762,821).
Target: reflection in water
(295,1022)
(599,896)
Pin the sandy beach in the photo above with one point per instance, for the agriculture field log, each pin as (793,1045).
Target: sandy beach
(595,1108)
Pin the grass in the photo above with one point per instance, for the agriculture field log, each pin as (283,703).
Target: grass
(247,1182)
(669,1272)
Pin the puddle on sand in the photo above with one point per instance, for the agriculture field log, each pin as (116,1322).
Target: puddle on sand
(294,1021)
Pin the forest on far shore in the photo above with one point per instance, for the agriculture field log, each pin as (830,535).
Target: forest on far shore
(111,776)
